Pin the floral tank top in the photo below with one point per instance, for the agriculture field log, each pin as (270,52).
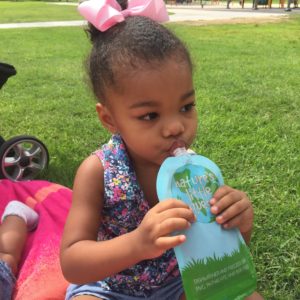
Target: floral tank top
(123,210)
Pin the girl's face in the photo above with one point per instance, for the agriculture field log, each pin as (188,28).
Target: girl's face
(153,111)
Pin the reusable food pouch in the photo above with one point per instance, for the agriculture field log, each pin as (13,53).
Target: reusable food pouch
(215,264)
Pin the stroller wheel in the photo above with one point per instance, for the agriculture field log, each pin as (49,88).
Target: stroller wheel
(22,158)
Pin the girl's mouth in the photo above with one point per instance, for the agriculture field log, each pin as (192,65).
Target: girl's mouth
(175,145)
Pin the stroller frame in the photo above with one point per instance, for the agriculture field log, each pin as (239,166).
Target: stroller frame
(22,157)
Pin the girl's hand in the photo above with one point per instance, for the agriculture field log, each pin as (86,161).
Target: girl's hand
(232,209)
(153,234)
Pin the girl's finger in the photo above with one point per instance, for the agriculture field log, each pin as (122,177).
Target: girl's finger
(168,242)
(221,192)
(172,225)
(168,204)
(225,202)
(233,211)
(184,213)
(234,222)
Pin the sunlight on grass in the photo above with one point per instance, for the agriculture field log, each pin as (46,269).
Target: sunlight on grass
(15,12)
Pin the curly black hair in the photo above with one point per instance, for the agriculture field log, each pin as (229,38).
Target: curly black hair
(130,45)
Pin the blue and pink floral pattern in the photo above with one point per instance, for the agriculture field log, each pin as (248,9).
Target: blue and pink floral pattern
(123,210)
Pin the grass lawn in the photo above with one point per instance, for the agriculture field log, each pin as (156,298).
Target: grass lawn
(32,11)
(247,85)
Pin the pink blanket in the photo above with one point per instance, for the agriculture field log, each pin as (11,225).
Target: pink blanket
(40,276)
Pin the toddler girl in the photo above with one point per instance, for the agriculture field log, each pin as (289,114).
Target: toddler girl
(117,242)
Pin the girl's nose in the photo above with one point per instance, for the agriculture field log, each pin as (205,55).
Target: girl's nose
(173,128)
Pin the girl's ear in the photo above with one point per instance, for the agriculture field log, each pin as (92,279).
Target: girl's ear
(106,117)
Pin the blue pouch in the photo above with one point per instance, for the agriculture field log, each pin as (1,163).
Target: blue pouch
(215,264)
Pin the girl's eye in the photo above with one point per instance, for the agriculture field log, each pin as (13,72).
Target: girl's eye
(188,107)
(149,117)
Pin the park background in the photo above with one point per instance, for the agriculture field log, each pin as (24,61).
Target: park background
(248,99)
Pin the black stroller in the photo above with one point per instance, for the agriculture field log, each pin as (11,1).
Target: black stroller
(22,157)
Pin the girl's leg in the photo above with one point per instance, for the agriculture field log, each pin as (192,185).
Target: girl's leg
(13,234)
(17,219)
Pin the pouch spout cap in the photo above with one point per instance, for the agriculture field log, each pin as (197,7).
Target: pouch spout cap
(180,151)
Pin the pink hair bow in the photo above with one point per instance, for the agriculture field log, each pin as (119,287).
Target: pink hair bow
(104,14)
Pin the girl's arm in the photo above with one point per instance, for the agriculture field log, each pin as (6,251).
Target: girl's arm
(83,259)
